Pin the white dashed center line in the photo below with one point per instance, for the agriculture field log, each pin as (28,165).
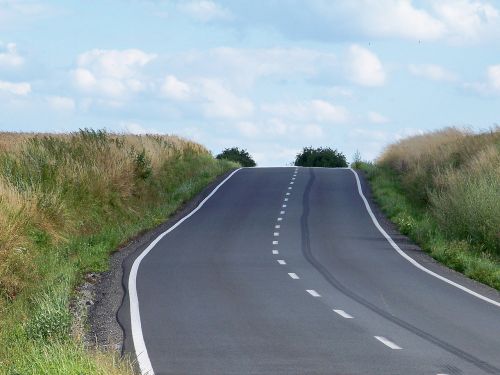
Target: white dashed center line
(313,293)
(287,193)
(282,212)
(293,275)
(275,252)
(277,226)
(281,261)
(291,183)
(289,188)
(343,314)
(276,234)
(284,206)
(388,343)
(280,218)
(286,199)
(275,242)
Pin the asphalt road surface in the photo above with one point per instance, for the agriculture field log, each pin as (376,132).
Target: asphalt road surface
(283,271)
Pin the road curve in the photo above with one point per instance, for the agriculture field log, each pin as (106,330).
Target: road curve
(282,271)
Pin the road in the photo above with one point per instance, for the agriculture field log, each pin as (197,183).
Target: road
(282,271)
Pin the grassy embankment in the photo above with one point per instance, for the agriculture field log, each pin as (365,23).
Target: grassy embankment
(66,202)
(442,189)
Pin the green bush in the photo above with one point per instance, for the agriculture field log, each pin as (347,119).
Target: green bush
(236,155)
(320,157)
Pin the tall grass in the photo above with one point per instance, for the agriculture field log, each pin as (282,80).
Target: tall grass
(443,190)
(66,201)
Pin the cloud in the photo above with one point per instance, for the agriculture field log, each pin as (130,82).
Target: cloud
(112,73)
(248,129)
(493,74)
(136,128)
(175,89)
(364,67)
(432,72)
(257,63)
(453,21)
(491,85)
(312,131)
(377,118)
(204,10)
(221,102)
(314,110)
(9,57)
(61,103)
(13,12)
(396,18)
(21,88)
(468,20)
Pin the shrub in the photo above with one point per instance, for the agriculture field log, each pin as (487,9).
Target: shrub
(241,157)
(320,157)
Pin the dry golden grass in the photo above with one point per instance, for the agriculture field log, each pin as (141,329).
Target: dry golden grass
(456,174)
(66,202)
(36,170)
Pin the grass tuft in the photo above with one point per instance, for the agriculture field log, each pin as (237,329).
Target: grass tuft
(441,189)
(66,202)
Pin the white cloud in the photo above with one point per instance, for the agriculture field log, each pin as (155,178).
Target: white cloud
(21,88)
(387,18)
(377,118)
(341,91)
(204,10)
(468,20)
(223,103)
(112,73)
(433,72)
(312,131)
(13,12)
(494,77)
(135,128)
(9,57)
(175,89)
(490,86)
(256,63)
(313,110)
(364,67)
(61,103)
(248,129)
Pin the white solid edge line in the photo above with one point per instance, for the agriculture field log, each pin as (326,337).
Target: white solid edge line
(343,314)
(410,259)
(141,351)
(388,343)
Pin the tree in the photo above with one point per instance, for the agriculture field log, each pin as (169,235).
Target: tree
(320,157)
(239,156)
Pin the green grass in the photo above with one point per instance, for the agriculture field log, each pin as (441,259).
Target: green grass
(418,221)
(67,202)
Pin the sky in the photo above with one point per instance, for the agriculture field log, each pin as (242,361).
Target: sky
(268,76)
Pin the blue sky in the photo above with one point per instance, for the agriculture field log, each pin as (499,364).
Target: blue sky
(269,76)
